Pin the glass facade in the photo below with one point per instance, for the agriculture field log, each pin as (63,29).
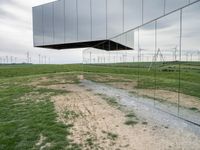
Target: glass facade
(164,63)
(38,33)
(59,22)
(132,14)
(99,24)
(173,5)
(152,9)
(48,23)
(84,20)
(114,17)
(72,21)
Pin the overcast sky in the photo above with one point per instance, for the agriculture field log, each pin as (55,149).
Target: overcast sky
(16,34)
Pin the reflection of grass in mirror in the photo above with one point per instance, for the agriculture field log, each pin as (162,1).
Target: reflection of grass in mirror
(131,119)
(112,101)
(130,115)
(194,109)
(131,122)
(166,80)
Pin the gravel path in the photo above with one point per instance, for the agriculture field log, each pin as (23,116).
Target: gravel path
(147,109)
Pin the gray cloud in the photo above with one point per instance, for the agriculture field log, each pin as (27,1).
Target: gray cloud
(6,1)
(6,14)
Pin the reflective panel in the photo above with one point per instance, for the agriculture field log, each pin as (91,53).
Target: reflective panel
(190,65)
(147,65)
(153,9)
(191,1)
(70,21)
(191,29)
(59,21)
(132,14)
(117,40)
(80,21)
(172,5)
(98,19)
(147,38)
(126,40)
(168,35)
(137,61)
(130,40)
(115,17)
(121,39)
(38,25)
(167,60)
(48,23)
(84,20)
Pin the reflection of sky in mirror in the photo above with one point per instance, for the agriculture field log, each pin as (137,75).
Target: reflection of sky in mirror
(168,33)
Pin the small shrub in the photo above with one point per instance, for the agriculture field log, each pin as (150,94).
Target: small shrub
(112,136)
(194,109)
(70,114)
(131,122)
(130,115)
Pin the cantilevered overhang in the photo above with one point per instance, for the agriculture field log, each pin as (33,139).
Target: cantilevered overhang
(70,24)
(108,45)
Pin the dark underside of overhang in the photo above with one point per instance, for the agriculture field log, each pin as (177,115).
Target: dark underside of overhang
(107,45)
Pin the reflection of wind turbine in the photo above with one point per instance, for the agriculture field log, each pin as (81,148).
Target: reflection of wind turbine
(140,53)
(175,52)
(155,57)
(191,56)
(198,53)
(186,55)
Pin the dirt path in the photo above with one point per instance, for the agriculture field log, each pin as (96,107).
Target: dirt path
(186,101)
(98,125)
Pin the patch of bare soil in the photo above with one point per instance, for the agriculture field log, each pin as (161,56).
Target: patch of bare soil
(105,78)
(56,79)
(186,101)
(98,125)
(36,96)
(42,144)
(124,85)
(172,97)
(38,81)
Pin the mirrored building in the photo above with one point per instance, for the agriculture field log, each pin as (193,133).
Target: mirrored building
(162,36)
(66,24)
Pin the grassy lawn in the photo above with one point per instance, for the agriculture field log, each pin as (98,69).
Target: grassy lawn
(26,112)
(25,70)
(164,75)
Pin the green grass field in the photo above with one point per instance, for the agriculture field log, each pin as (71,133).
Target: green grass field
(26,112)
(24,118)
(161,75)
